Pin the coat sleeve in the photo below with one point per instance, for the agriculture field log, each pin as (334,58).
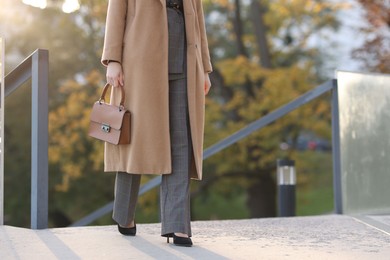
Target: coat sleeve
(203,38)
(115,29)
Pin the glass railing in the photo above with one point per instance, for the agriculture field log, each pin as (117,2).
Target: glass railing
(364,110)
(227,142)
(360,142)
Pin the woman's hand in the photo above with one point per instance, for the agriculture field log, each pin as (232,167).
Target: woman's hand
(114,74)
(207,84)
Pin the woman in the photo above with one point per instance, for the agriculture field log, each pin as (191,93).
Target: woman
(157,50)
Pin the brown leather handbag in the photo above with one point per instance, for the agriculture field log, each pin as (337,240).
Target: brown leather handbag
(110,123)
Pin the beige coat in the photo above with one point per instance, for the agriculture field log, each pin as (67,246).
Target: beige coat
(137,37)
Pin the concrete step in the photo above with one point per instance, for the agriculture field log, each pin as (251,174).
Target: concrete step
(317,237)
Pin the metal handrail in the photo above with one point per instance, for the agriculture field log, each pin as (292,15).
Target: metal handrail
(18,76)
(228,141)
(36,68)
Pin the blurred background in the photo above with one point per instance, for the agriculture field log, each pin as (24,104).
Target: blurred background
(265,53)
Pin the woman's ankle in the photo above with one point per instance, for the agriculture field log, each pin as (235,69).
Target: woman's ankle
(132,224)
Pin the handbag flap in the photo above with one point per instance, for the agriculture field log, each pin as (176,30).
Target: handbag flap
(110,115)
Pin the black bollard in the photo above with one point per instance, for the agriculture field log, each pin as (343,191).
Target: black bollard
(286,180)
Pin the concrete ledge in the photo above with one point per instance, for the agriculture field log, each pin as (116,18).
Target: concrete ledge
(320,237)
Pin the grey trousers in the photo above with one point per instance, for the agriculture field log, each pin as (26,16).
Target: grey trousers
(175,187)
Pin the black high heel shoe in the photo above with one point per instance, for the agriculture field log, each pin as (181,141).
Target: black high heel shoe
(128,231)
(180,241)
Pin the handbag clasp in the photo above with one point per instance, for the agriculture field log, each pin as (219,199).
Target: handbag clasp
(105,128)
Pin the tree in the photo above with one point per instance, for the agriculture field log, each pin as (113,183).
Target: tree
(375,52)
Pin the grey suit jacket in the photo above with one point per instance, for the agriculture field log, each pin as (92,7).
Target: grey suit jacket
(177,44)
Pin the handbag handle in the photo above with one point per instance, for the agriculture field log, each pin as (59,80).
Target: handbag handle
(103,95)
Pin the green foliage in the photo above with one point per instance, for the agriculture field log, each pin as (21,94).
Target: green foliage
(72,151)
(220,204)
(315,182)
(261,149)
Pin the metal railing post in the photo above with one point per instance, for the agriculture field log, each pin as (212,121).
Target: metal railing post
(2,51)
(39,140)
(336,150)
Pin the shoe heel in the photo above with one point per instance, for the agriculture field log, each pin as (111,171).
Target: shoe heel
(127,231)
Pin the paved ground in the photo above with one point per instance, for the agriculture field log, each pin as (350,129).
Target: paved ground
(319,237)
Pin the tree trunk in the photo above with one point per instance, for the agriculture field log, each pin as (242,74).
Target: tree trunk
(261,34)
(261,200)
(238,30)
(237,24)
(219,87)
